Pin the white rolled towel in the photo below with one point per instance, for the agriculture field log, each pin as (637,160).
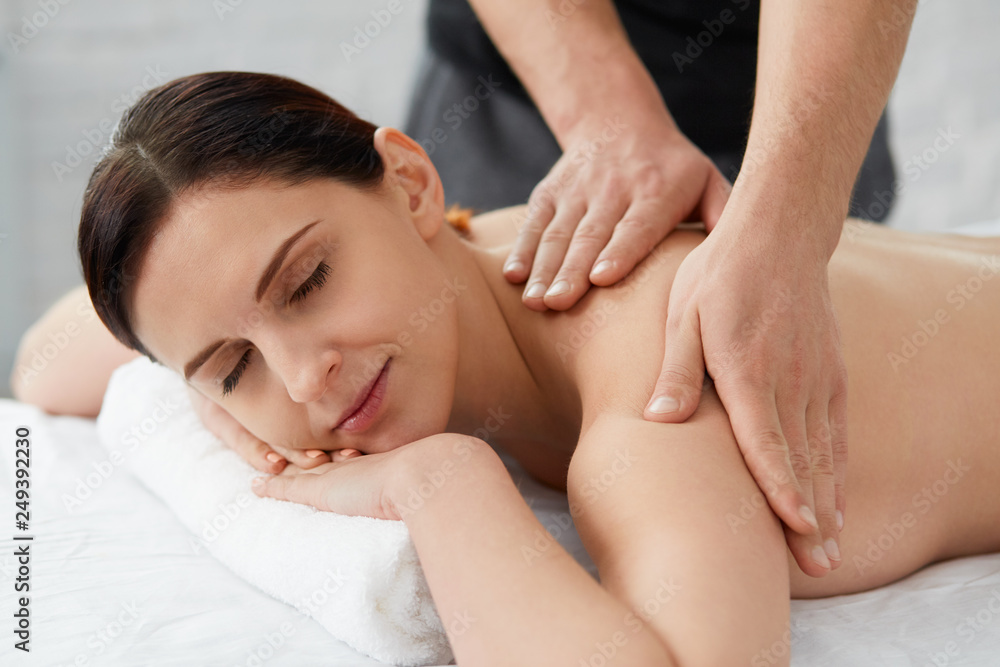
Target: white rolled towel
(358,577)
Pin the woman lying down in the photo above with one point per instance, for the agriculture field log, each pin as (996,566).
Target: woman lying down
(294,263)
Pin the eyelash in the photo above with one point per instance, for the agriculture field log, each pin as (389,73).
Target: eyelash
(315,281)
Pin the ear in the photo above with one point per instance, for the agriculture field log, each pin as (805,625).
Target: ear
(410,176)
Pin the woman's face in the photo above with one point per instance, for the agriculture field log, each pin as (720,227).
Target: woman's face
(360,285)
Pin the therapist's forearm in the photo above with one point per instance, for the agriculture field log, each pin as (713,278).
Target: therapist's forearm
(577,66)
(824,73)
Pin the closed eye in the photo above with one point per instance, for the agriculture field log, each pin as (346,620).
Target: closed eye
(315,281)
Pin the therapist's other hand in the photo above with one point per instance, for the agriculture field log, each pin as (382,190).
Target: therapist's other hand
(256,452)
(755,310)
(619,188)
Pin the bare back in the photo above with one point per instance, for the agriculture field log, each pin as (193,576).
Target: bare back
(919,315)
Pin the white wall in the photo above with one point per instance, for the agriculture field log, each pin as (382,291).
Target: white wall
(65,82)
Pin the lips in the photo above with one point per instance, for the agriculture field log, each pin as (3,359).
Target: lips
(364,399)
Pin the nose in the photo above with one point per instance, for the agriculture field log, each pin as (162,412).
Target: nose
(305,370)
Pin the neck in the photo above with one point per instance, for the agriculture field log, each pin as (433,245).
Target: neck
(496,396)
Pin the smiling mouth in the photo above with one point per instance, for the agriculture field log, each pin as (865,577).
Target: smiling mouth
(364,414)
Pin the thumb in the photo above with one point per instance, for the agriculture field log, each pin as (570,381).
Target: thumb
(678,389)
(714,199)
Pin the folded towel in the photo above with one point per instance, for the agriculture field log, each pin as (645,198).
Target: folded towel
(358,577)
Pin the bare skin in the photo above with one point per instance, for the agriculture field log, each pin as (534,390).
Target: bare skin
(906,423)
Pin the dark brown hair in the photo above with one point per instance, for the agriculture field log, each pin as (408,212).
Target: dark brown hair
(221,128)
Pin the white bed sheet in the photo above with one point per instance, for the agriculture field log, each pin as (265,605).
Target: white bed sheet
(117,581)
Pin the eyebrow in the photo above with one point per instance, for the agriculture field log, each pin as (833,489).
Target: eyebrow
(265,281)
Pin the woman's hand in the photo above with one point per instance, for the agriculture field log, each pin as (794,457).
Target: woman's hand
(620,187)
(373,484)
(256,452)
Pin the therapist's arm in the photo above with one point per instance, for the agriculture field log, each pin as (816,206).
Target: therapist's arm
(752,303)
(627,175)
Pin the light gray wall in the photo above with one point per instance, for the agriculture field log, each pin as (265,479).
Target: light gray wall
(68,80)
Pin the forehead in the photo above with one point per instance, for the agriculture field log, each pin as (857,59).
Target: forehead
(200,273)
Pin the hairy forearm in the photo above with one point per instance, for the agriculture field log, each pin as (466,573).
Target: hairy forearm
(505,590)
(824,74)
(578,66)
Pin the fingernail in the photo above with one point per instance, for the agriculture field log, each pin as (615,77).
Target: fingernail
(313,453)
(602,266)
(273,457)
(257,482)
(664,404)
(840,520)
(537,289)
(832,550)
(819,556)
(809,517)
(513,266)
(558,288)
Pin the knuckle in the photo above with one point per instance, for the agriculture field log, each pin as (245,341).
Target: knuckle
(556,234)
(680,375)
(800,459)
(822,462)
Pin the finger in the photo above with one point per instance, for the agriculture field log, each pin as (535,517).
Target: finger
(821,463)
(714,199)
(344,454)
(678,388)
(591,236)
(838,445)
(307,489)
(794,417)
(254,451)
(643,225)
(541,208)
(804,557)
(303,458)
(754,418)
(551,251)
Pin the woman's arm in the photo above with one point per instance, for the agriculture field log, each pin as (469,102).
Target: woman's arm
(507,593)
(661,508)
(64,360)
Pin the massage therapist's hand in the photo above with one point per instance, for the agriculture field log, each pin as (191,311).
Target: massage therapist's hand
(754,309)
(256,452)
(372,485)
(621,185)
